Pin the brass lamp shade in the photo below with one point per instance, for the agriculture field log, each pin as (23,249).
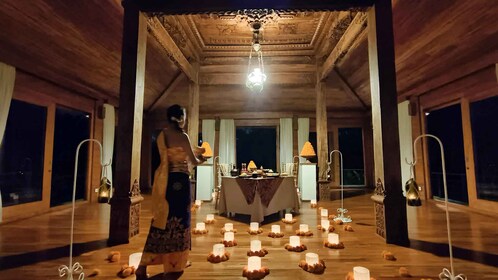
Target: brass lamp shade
(208,152)
(307,151)
(412,195)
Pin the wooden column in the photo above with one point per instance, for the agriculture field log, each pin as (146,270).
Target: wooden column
(146,156)
(193,108)
(125,204)
(321,130)
(385,119)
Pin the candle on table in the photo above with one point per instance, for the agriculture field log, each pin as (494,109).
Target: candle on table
(200,226)
(303,228)
(253,263)
(333,238)
(255,245)
(229,236)
(288,217)
(275,228)
(209,217)
(324,213)
(218,249)
(295,241)
(325,224)
(311,258)
(228,227)
(361,273)
(198,202)
(254,226)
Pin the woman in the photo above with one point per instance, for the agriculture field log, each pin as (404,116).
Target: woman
(168,242)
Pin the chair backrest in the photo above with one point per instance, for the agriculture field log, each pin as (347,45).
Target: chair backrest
(289,168)
(223,169)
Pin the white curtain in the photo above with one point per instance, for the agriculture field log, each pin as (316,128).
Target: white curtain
(7,80)
(405,141)
(303,132)
(286,146)
(108,139)
(208,132)
(227,141)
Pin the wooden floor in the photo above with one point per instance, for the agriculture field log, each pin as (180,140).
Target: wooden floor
(35,247)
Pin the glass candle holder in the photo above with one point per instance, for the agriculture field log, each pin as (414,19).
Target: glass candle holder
(218,250)
(134,259)
(200,226)
(295,241)
(229,236)
(325,224)
(253,263)
(333,238)
(313,202)
(288,217)
(324,213)
(303,228)
(254,226)
(209,217)
(255,245)
(198,202)
(275,228)
(311,258)
(228,227)
(361,273)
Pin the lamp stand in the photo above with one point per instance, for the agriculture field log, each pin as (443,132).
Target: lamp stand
(77,268)
(445,274)
(340,211)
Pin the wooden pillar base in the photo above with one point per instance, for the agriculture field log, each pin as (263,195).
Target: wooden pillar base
(125,217)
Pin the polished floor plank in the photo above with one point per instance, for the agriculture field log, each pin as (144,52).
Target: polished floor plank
(35,247)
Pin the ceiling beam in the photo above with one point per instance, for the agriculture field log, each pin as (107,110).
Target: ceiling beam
(290,78)
(357,26)
(269,68)
(276,115)
(174,53)
(348,88)
(167,91)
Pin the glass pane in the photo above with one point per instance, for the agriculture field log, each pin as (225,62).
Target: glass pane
(71,127)
(21,154)
(446,124)
(351,147)
(258,144)
(484,134)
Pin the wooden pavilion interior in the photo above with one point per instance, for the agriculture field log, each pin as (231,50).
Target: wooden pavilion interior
(394,70)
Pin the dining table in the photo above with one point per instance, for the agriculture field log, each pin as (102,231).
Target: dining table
(257,197)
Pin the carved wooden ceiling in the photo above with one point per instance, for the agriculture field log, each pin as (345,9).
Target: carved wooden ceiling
(76,45)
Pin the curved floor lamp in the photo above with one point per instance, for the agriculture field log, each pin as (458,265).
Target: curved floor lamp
(445,274)
(341,211)
(76,267)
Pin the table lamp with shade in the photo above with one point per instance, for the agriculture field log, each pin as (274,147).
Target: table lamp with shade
(251,166)
(307,152)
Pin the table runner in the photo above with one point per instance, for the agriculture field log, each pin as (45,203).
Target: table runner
(266,187)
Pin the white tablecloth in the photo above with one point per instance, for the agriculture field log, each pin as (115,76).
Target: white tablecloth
(232,200)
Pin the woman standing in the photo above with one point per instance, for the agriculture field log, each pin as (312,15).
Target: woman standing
(168,242)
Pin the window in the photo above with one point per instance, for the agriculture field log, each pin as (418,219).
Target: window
(483,116)
(22,153)
(351,147)
(71,127)
(258,144)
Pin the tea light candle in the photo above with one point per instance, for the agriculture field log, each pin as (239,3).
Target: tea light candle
(209,217)
(295,241)
(255,245)
(198,202)
(303,228)
(288,217)
(254,226)
(253,263)
(200,226)
(228,227)
(333,238)
(218,250)
(275,228)
(229,236)
(313,202)
(311,258)
(361,273)
(324,213)
(325,224)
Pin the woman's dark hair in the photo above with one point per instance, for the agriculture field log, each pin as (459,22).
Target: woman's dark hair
(174,114)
